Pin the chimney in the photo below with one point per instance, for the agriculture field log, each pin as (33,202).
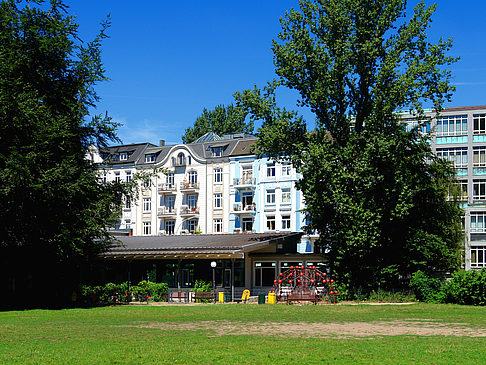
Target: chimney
(162,143)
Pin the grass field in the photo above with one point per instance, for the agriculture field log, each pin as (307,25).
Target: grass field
(256,334)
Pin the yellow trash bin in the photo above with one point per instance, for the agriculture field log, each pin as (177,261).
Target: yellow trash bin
(221,297)
(272,299)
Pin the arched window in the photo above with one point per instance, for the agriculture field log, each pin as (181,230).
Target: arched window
(181,159)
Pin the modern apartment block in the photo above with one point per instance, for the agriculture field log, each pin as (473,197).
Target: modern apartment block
(459,135)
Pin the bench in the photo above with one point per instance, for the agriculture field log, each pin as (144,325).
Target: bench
(180,295)
(203,295)
(314,298)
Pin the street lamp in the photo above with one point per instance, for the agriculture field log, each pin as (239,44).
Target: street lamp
(213,265)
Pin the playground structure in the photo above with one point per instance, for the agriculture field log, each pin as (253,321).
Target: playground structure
(301,283)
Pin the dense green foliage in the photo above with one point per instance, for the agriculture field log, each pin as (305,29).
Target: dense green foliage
(222,120)
(374,191)
(117,293)
(464,287)
(54,209)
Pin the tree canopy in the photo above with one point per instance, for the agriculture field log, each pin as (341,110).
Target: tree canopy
(374,190)
(222,120)
(53,207)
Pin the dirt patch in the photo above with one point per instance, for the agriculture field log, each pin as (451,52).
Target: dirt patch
(412,327)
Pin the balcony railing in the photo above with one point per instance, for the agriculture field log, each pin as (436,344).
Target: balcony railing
(239,208)
(185,210)
(189,186)
(179,162)
(167,211)
(167,188)
(244,181)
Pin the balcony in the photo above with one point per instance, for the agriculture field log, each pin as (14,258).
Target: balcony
(189,186)
(166,211)
(179,162)
(165,188)
(189,211)
(238,208)
(244,182)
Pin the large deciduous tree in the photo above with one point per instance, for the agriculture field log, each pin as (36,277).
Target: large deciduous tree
(374,191)
(221,120)
(53,208)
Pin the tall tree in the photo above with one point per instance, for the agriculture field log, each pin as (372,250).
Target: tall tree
(221,120)
(53,207)
(374,191)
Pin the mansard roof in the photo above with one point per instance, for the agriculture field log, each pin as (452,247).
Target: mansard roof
(111,155)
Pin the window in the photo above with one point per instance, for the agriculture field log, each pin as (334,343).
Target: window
(271,196)
(247,200)
(128,224)
(286,170)
(181,160)
(286,222)
(169,204)
(169,179)
(216,151)
(411,123)
(479,123)
(456,155)
(104,177)
(128,204)
(247,175)
(479,156)
(147,228)
(147,204)
(191,225)
(479,189)
(218,225)
(452,125)
(169,226)
(264,273)
(128,176)
(150,157)
(478,222)
(271,223)
(218,201)
(146,183)
(286,196)
(192,201)
(247,224)
(478,256)
(458,191)
(218,175)
(123,156)
(271,170)
(192,177)
(117,176)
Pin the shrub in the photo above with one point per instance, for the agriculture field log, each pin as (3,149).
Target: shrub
(427,289)
(201,285)
(466,287)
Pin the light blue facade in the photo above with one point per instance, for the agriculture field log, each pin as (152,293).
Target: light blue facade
(264,193)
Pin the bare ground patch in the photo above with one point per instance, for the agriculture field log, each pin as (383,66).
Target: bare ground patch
(413,327)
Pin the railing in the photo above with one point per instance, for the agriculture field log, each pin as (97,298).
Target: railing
(185,210)
(245,181)
(167,187)
(167,211)
(189,185)
(239,208)
(178,162)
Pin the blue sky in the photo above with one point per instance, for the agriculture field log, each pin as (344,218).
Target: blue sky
(167,60)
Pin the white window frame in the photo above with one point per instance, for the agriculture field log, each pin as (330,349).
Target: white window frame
(286,222)
(271,170)
(479,156)
(117,176)
(218,225)
(169,227)
(270,196)
(286,196)
(218,175)
(458,156)
(286,170)
(217,151)
(270,223)
(150,157)
(479,189)
(170,178)
(147,228)
(147,205)
(244,223)
(478,222)
(192,177)
(479,123)
(478,256)
(128,176)
(452,125)
(218,201)
(123,156)
(192,201)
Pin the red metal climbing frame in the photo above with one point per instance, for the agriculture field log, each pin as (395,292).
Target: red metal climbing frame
(301,283)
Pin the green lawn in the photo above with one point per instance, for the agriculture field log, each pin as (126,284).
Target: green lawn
(208,334)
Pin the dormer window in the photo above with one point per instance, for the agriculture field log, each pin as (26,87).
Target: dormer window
(180,160)
(216,151)
(150,158)
(123,156)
